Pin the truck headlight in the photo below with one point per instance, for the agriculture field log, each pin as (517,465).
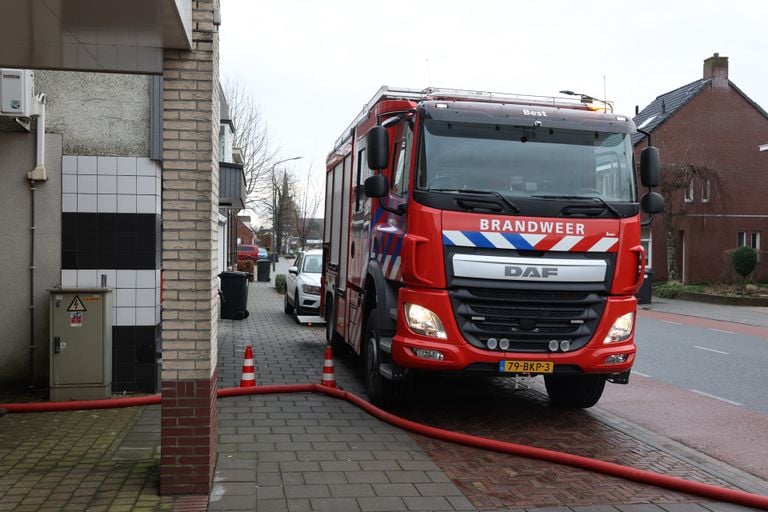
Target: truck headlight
(423,321)
(621,328)
(310,290)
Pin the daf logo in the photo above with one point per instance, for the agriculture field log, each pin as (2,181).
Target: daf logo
(526,271)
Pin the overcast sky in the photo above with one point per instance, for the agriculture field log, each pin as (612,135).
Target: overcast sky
(312,64)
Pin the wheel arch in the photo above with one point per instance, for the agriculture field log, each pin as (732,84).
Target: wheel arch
(381,294)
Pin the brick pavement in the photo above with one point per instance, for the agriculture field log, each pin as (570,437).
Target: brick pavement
(305,452)
(73,461)
(311,452)
(287,353)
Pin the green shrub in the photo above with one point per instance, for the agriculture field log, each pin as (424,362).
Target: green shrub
(668,290)
(744,260)
(280,283)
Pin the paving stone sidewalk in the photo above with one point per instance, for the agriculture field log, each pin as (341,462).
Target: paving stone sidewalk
(72,461)
(317,453)
(304,452)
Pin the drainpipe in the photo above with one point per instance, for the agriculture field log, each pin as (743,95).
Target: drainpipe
(36,174)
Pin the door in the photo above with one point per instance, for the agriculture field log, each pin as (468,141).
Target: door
(290,280)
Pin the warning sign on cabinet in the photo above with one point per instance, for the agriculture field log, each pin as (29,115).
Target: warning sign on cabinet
(77,305)
(75,319)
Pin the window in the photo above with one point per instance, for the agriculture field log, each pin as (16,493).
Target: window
(362,174)
(750,239)
(688,196)
(705,192)
(401,160)
(647,243)
(525,162)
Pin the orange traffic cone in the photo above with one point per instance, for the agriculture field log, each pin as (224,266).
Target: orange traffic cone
(329,376)
(248,380)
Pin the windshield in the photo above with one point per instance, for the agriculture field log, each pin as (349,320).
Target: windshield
(525,161)
(312,264)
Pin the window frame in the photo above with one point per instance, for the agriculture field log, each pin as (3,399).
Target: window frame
(401,156)
(706,192)
(688,192)
(646,241)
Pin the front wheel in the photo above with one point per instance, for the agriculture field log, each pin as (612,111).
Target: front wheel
(574,391)
(381,391)
(287,307)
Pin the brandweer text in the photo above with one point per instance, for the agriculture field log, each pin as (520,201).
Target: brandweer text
(532,226)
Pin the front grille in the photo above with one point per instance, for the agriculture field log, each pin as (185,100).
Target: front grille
(528,319)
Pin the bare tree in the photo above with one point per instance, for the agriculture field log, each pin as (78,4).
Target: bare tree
(678,182)
(306,203)
(252,138)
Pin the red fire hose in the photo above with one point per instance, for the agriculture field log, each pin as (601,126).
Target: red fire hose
(577,461)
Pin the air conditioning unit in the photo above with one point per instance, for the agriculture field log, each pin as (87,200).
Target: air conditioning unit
(17,88)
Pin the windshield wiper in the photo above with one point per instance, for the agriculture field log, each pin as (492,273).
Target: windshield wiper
(506,201)
(582,198)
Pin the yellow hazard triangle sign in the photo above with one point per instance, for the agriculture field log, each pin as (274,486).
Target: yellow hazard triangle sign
(77,305)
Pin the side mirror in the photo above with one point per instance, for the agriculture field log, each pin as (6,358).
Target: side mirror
(376,186)
(377,144)
(652,202)
(293,270)
(649,167)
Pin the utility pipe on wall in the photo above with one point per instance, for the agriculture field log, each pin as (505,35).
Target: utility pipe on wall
(36,174)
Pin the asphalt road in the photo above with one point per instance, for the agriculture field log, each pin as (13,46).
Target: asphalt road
(719,361)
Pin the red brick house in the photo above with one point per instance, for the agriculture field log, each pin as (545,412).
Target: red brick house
(244,230)
(714,176)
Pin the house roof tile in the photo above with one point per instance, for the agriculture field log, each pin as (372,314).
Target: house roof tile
(665,106)
(668,104)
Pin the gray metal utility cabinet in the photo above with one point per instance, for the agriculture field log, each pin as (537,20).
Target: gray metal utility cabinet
(81,343)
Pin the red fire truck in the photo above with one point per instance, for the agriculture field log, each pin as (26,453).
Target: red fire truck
(484,232)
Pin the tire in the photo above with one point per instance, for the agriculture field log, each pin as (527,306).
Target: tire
(331,338)
(381,391)
(574,391)
(296,303)
(287,308)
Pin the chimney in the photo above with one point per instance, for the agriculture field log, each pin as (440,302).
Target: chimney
(716,68)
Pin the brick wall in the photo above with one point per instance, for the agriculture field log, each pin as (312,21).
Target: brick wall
(190,231)
(244,234)
(719,128)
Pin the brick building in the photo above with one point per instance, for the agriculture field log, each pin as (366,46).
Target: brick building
(244,230)
(709,134)
(68,198)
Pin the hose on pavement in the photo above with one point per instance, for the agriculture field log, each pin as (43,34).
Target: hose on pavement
(607,468)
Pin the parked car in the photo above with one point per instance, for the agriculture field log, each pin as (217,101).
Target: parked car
(302,284)
(263,254)
(248,252)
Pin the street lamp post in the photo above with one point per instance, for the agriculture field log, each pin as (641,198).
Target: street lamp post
(275,244)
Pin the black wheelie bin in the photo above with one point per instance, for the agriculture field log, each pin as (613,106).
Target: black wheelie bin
(234,295)
(262,270)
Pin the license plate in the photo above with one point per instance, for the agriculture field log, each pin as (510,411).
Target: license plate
(526,366)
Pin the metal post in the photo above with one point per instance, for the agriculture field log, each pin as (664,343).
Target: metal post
(274,218)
